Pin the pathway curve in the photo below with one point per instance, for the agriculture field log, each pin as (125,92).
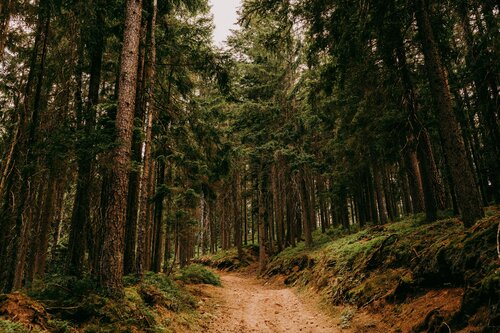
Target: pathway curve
(244,305)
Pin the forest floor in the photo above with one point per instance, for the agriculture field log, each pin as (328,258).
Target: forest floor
(407,276)
(247,304)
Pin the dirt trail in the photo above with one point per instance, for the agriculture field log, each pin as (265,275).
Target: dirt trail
(244,304)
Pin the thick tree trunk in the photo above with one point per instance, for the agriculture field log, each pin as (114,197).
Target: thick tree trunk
(134,185)
(468,198)
(111,260)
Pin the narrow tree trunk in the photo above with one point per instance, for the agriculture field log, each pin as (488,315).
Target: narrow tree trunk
(262,219)
(278,211)
(414,180)
(381,203)
(14,227)
(305,208)
(237,214)
(5,8)
(158,221)
(81,208)
(46,221)
(477,61)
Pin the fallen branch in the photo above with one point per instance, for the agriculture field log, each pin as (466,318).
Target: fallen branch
(448,326)
(63,308)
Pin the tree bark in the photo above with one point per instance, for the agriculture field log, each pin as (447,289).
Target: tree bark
(305,208)
(5,9)
(379,189)
(46,220)
(468,198)
(262,217)
(158,221)
(111,260)
(237,213)
(85,159)
(483,74)
(414,179)
(134,185)
(13,224)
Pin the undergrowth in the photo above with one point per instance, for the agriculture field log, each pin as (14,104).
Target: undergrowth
(7,326)
(197,274)
(228,259)
(62,304)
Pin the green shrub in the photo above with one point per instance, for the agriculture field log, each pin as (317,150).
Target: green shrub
(59,326)
(198,274)
(177,297)
(7,326)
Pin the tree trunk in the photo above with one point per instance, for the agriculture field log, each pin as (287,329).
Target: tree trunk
(237,213)
(379,189)
(263,218)
(85,154)
(111,260)
(424,165)
(134,185)
(482,74)
(46,220)
(158,221)
(305,208)
(414,179)
(453,145)
(14,226)
(5,7)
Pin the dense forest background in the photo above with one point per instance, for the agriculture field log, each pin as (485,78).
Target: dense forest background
(129,143)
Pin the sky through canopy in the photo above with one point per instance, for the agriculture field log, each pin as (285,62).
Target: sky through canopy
(225,17)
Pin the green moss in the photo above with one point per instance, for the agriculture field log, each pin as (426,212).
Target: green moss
(7,326)
(197,274)
(171,291)
(60,326)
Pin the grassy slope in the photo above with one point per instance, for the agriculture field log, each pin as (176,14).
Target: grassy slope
(401,261)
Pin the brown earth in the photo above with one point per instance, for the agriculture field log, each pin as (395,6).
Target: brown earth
(417,314)
(22,309)
(246,304)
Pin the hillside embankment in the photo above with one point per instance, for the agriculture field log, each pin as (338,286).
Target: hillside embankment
(406,276)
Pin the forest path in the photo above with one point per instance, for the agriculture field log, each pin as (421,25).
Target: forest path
(244,304)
